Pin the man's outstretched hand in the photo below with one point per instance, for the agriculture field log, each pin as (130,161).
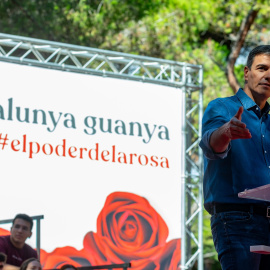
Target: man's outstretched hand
(232,130)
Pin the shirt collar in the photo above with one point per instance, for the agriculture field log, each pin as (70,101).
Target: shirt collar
(248,103)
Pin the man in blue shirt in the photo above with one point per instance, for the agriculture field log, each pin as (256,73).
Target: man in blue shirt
(236,146)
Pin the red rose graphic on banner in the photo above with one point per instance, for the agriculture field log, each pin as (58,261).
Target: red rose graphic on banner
(129,229)
(170,256)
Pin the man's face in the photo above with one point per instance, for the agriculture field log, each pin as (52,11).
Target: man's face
(20,231)
(258,78)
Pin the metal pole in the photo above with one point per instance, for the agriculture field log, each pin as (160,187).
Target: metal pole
(200,259)
(183,175)
(38,237)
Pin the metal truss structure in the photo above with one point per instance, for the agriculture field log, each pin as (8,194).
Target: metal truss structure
(183,76)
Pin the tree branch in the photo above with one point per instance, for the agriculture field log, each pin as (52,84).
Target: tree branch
(237,45)
(217,36)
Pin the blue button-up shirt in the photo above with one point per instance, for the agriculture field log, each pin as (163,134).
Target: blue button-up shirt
(246,162)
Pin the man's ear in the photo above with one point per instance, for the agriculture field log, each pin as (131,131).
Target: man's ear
(30,234)
(246,71)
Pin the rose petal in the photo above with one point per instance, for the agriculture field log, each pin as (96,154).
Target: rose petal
(65,255)
(4,232)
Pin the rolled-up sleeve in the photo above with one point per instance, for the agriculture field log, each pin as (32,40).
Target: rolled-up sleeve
(216,115)
(208,151)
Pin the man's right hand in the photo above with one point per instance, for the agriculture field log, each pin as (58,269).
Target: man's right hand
(232,130)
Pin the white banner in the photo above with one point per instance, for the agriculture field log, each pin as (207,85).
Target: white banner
(68,141)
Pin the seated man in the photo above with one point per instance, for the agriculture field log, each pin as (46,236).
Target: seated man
(13,245)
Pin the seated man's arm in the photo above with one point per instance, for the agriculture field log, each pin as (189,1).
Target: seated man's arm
(10,267)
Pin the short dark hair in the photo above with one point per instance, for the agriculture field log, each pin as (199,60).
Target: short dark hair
(26,262)
(24,217)
(3,257)
(65,266)
(262,49)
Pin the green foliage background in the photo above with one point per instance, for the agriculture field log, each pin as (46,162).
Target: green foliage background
(193,31)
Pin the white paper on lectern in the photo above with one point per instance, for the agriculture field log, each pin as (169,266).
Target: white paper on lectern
(260,249)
